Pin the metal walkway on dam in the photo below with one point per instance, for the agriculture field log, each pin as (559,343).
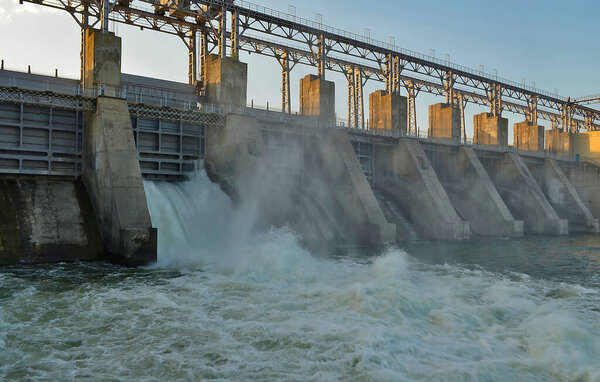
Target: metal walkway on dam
(74,153)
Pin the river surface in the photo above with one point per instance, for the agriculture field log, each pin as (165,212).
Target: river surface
(230,304)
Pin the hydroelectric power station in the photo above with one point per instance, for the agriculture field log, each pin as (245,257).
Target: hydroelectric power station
(73,154)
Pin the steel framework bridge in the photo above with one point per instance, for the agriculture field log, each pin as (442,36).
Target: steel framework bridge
(227,27)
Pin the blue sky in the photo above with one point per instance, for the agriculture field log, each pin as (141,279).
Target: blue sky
(551,42)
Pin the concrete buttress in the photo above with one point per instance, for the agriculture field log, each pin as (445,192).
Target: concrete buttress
(404,174)
(111,170)
(473,194)
(523,196)
(112,175)
(564,199)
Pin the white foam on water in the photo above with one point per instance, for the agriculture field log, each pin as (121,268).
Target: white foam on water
(260,307)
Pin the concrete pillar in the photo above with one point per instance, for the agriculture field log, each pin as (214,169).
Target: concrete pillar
(388,112)
(473,193)
(523,196)
(111,170)
(565,200)
(405,176)
(226,81)
(585,177)
(559,143)
(587,145)
(528,137)
(317,98)
(444,121)
(102,66)
(490,130)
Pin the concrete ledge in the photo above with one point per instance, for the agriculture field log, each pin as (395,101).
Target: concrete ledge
(404,173)
(523,196)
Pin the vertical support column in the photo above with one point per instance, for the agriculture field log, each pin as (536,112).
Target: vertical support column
(389,73)
(412,108)
(321,57)
(589,121)
(567,117)
(203,59)
(235,34)
(462,103)
(532,113)
(358,98)
(494,95)
(223,33)
(351,104)
(396,78)
(192,58)
(448,83)
(286,104)
(84,27)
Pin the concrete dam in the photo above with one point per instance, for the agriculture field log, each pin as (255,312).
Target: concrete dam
(74,153)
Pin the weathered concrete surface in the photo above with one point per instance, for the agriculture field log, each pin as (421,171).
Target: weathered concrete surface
(353,199)
(585,177)
(473,194)
(559,143)
(44,221)
(405,175)
(523,196)
(587,145)
(528,137)
(103,61)
(226,81)
(111,173)
(317,98)
(564,198)
(388,112)
(335,203)
(490,130)
(444,121)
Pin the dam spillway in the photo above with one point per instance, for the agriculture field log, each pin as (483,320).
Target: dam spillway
(334,184)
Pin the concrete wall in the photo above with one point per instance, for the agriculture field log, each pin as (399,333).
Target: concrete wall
(473,194)
(44,221)
(226,81)
(405,175)
(528,137)
(559,143)
(523,196)
(490,130)
(317,98)
(388,112)
(444,121)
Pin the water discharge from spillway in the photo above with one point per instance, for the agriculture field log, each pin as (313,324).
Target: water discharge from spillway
(232,302)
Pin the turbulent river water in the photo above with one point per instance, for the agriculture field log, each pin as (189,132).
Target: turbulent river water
(227,303)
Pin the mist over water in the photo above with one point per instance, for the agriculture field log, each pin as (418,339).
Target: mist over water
(227,301)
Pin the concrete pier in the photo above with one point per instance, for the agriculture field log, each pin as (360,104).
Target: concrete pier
(444,121)
(388,112)
(523,196)
(111,171)
(528,137)
(405,175)
(559,142)
(226,81)
(565,200)
(473,194)
(317,98)
(490,130)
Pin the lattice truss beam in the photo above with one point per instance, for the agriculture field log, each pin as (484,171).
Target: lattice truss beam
(259,30)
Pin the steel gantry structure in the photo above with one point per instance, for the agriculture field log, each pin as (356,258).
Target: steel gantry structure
(227,27)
